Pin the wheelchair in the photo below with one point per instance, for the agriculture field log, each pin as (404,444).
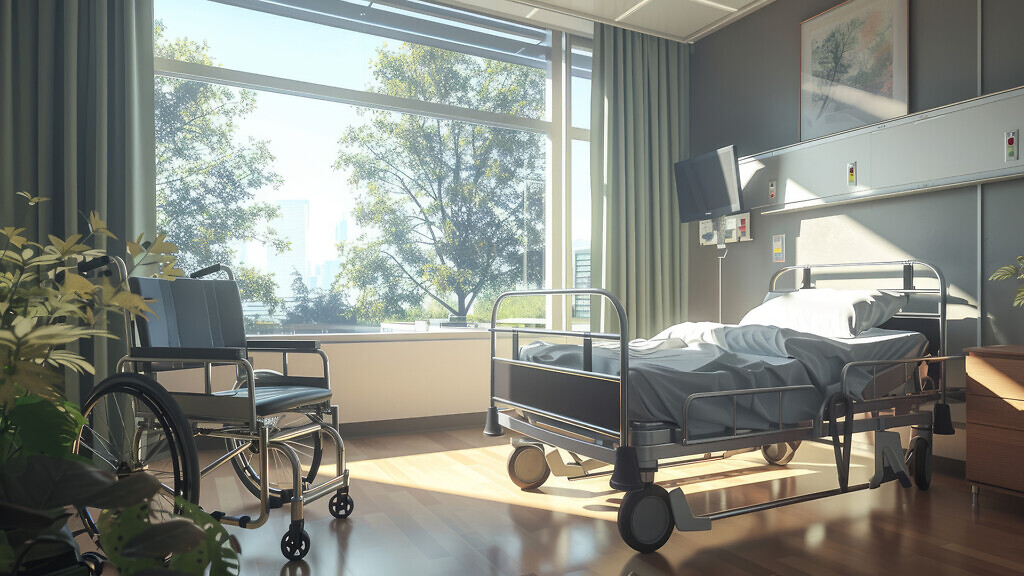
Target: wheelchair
(274,426)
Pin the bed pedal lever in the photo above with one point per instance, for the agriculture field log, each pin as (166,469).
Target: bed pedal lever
(563,469)
(889,462)
(682,516)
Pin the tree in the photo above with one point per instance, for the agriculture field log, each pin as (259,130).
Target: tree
(451,206)
(317,306)
(206,177)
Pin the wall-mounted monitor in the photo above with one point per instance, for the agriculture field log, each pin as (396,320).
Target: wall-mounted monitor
(708,186)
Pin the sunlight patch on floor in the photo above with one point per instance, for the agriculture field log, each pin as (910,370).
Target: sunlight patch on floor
(481,473)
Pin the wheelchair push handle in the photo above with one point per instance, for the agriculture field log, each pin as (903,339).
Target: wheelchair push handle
(213,269)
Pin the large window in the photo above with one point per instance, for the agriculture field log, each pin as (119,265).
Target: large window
(366,166)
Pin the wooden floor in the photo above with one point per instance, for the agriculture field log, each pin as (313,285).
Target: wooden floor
(442,503)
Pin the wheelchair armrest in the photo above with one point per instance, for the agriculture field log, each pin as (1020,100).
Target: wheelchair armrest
(282,345)
(189,354)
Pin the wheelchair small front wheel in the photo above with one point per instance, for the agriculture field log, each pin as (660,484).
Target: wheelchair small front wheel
(295,544)
(341,505)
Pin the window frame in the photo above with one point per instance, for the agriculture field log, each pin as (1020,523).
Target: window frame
(556,126)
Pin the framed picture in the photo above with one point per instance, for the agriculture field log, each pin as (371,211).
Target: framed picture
(853,66)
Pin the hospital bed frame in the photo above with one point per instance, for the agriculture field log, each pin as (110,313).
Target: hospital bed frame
(586,414)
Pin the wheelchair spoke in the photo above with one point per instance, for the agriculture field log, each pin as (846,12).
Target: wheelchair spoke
(99,455)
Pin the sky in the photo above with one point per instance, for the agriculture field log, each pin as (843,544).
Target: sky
(302,132)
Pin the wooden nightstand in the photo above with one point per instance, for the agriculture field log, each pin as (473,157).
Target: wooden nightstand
(995,418)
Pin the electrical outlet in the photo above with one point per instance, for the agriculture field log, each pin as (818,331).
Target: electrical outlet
(1011,147)
(771,189)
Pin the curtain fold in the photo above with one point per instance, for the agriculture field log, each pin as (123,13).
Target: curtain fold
(639,130)
(76,120)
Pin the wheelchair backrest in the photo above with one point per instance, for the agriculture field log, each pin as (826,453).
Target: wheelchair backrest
(190,313)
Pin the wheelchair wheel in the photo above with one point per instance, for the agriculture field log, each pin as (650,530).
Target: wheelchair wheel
(133,425)
(308,448)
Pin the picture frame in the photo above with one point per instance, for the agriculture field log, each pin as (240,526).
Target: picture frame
(853,66)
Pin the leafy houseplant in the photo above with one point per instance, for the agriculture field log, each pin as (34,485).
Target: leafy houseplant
(46,306)
(1013,271)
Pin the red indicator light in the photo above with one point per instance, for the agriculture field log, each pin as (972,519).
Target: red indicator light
(1009,141)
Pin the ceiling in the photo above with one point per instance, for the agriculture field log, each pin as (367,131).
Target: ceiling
(682,20)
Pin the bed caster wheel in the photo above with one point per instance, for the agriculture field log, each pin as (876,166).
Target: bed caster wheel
(341,505)
(295,542)
(527,467)
(919,462)
(781,453)
(645,518)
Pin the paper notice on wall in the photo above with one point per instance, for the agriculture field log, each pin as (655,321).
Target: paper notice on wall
(708,236)
(730,229)
(779,248)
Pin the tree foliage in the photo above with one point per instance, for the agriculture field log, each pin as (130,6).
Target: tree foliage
(206,175)
(450,206)
(317,306)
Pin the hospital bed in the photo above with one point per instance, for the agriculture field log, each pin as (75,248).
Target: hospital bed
(702,390)
(275,427)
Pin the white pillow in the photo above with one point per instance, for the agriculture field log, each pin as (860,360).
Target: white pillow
(827,312)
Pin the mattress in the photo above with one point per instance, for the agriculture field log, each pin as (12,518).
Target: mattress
(707,357)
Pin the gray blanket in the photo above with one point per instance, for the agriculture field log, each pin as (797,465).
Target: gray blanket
(705,357)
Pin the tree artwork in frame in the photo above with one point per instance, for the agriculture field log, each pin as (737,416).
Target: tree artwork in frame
(853,66)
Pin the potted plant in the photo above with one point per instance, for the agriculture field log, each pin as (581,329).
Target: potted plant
(1012,271)
(46,306)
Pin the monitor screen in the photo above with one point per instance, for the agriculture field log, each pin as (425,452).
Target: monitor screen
(708,185)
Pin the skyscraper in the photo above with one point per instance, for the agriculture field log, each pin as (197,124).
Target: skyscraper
(292,225)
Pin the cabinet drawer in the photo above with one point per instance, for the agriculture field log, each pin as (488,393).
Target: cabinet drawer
(995,456)
(997,412)
(993,376)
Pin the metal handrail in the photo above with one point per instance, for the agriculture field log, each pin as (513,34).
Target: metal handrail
(844,385)
(623,342)
(734,394)
(908,265)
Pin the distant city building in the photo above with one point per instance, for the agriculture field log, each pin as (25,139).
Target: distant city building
(581,279)
(292,225)
(341,231)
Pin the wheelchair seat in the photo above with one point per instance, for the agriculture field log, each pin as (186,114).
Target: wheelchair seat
(276,399)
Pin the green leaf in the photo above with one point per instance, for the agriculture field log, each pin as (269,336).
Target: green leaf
(116,528)
(127,491)
(44,427)
(220,550)
(1019,299)
(159,540)
(41,482)
(14,516)
(1004,273)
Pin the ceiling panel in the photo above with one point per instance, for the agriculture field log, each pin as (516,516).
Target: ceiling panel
(683,20)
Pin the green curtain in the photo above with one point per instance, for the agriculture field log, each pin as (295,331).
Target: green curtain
(639,129)
(76,118)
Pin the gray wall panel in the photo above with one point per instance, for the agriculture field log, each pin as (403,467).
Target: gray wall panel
(943,52)
(745,80)
(1001,65)
(940,227)
(1002,243)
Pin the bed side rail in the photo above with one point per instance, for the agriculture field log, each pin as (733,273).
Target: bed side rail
(492,427)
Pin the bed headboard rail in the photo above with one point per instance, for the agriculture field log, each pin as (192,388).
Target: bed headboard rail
(931,323)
